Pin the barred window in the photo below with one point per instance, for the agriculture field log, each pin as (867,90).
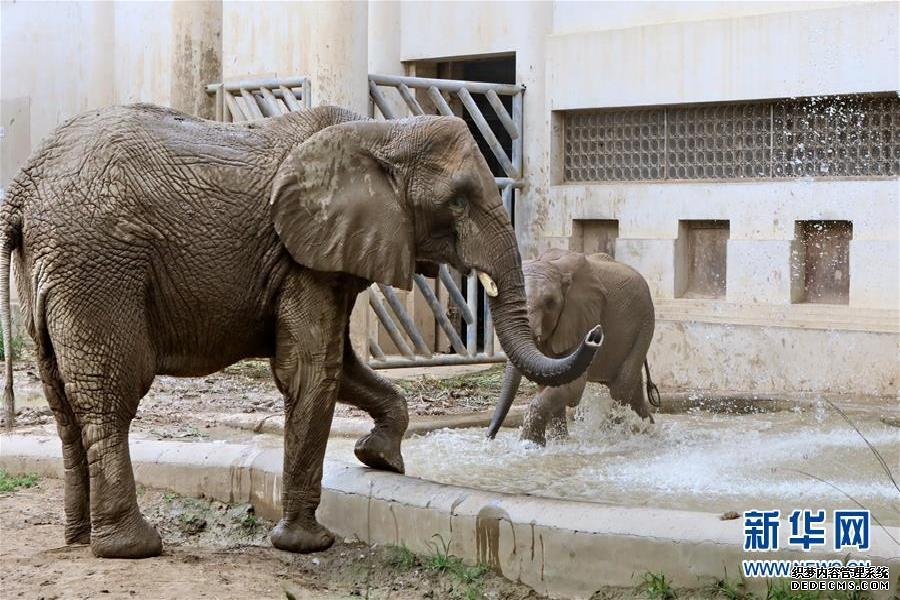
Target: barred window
(831,136)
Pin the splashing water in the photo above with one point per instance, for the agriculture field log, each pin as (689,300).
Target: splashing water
(695,460)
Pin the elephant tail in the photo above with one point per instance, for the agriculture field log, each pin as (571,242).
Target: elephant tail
(652,390)
(10,234)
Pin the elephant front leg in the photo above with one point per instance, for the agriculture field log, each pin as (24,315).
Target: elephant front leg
(548,408)
(365,389)
(313,313)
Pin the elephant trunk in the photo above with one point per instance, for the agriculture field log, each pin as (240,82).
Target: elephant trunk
(511,379)
(510,316)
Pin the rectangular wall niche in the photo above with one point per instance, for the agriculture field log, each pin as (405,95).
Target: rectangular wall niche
(821,262)
(595,235)
(700,259)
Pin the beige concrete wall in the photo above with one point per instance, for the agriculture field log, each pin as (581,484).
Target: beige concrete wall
(265,39)
(569,55)
(56,62)
(62,58)
(753,339)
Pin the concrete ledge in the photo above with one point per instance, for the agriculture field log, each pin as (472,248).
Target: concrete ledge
(358,426)
(558,547)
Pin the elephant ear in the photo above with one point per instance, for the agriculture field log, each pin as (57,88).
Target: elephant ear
(585,300)
(337,206)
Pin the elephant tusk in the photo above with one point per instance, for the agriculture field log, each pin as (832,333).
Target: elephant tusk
(490,288)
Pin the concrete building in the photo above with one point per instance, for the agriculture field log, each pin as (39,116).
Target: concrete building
(744,156)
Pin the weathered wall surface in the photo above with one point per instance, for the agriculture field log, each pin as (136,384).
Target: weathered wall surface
(62,58)
(569,55)
(56,62)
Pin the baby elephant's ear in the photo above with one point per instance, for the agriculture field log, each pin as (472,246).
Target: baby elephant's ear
(337,207)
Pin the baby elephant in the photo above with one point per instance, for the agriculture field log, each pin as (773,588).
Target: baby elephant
(569,292)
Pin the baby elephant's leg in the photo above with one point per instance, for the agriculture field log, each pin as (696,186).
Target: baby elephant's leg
(631,393)
(548,409)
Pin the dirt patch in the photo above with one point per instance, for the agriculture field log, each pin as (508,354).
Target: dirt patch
(180,408)
(215,550)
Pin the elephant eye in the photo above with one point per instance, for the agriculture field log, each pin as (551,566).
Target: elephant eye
(458,202)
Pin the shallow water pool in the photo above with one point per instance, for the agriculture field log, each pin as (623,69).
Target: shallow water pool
(796,456)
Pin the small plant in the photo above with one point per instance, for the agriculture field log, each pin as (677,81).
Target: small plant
(655,586)
(11,483)
(471,578)
(249,522)
(401,557)
(17,344)
(169,497)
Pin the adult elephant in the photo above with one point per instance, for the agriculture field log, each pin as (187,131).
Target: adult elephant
(150,242)
(567,290)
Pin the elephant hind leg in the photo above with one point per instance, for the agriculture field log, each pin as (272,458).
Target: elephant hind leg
(365,389)
(77,480)
(107,367)
(630,392)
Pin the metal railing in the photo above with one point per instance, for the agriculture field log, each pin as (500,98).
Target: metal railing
(260,98)
(398,97)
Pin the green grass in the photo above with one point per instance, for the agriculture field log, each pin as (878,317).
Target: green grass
(17,344)
(249,522)
(469,581)
(655,586)
(11,483)
(775,590)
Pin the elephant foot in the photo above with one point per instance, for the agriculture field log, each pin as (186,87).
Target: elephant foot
(78,533)
(301,538)
(133,537)
(380,451)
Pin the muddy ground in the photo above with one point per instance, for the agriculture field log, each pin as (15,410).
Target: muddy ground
(214,550)
(183,408)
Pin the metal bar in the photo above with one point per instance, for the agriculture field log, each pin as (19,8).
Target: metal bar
(410,100)
(375,349)
(450,85)
(497,104)
(439,103)
(517,117)
(508,181)
(455,295)
(289,99)
(307,93)
(486,132)
(252,106)
(220,104)
(234,108)
(236,86)
(439,314)
(411,331)
(388,322)
(269,103)
(380,101)
(506,195)
(438,360)
(472,301)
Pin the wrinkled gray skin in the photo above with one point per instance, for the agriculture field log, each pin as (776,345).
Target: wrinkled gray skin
(149,242)
(565,290)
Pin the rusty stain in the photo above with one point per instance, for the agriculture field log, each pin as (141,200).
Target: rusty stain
(487,536)
(532,541)
(542,555)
